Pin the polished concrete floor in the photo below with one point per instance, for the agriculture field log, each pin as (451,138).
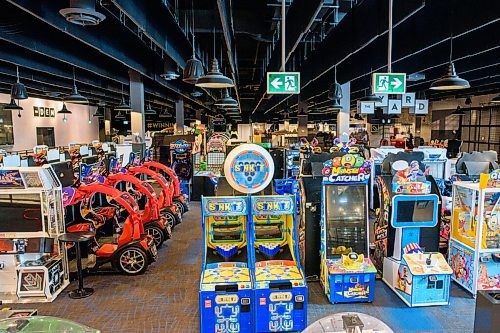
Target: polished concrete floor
(165,298)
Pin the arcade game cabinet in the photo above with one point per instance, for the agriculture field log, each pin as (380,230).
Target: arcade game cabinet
(377,156)
(417,276)
(33,265)
(226,296)
(474,253)
(216,152)
(347,274)
(182,163)
(292,163)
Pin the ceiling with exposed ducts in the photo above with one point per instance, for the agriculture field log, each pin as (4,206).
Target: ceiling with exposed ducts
(154,38)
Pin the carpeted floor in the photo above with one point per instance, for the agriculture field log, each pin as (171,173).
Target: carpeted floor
(165,298)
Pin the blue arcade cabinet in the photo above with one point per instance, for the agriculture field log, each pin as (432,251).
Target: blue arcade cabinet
(418,277)
(280,292)
(226,296)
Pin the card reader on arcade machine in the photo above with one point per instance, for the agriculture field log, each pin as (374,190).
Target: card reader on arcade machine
(347,274)
(418,277)
(33,265)
(226,296)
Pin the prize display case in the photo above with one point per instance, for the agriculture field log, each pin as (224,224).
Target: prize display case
(474,252)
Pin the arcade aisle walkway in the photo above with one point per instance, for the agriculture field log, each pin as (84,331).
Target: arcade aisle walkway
(165,299)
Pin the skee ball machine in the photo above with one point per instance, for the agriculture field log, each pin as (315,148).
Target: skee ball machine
(347,274)
(182,163)
(418,277)
(33,265)
(226,295)
(280,291)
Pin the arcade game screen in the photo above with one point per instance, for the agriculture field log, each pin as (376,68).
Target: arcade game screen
(224,233)
(345,218)
(20,213)
(415,211)
(271,238)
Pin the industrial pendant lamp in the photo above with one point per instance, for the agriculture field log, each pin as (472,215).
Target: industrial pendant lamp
(123,106)
(149,110)
(18,90)
(119,115)
(496,99)
(214,78)
(335,92)
(74,97)
(451,81)
(372,98)
(163,113)
(13,106)
(226,100)
(99,112)
(194,68)
(64,111)
(458,112)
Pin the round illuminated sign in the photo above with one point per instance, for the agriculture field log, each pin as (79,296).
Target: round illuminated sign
(249,168)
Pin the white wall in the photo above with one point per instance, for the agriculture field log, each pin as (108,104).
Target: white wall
(77,129)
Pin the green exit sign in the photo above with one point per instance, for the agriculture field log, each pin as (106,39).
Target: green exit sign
(389,83)
(283,83)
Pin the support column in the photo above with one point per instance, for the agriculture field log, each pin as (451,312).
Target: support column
(179,116)
(343,115)
(137,118)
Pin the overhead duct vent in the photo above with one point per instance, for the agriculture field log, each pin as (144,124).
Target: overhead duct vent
(82,12)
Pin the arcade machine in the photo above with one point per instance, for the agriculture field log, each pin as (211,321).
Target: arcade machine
(33,265)
(436,161)
(417,276)
(280,284)
(474,253)
(280,290)
(347,274)
(292,163)
(384,233)
(378,155)
(182,163)
(226,296)
(216,152)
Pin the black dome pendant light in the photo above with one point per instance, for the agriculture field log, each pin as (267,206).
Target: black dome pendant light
(123,106)
(335,93)
(451,81)
(214,78)
(74,97)
(194,68)
(226,100)
(64,111)
(18,90)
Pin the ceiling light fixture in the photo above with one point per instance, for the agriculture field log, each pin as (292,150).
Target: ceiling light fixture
(82,12)
(99,112)
(214,78)
(194,68)
(123,106)
(64,111)
(496,99)
(451,81)
(120,115)
(149,110)
(18,90)
(74,97)
(226,100)
(335,92)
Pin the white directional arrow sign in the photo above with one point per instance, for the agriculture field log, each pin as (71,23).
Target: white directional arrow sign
(276,83)
(389,83)
(396,83)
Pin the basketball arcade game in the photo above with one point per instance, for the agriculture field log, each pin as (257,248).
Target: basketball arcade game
(182,163)
(418,277)
(347,274)
(226,296)
(34,265)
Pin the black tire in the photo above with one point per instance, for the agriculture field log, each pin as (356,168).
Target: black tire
(123,259)
(180,206)
(171,219)
(156,232)
(185,207)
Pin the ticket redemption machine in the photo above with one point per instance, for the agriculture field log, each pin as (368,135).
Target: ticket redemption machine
(216,152)
(182,163)
(33,265)
(280,290)
(226,296)
(474,253)
(418,277)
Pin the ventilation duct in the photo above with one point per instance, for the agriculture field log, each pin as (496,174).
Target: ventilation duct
(82,12)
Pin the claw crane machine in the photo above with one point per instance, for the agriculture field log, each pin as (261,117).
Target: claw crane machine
(347,273)
(280,290)
(226,296)
(474,253)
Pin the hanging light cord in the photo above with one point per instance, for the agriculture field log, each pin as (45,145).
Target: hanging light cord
(451,47)
(192,19)
(17,73)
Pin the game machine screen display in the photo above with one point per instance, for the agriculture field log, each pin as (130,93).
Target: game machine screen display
(182,163)
(418,275)
(226,297)
(292,163)
(347,274)
(216,152)
(280,286)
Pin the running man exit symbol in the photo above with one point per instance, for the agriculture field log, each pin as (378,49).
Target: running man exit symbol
(283,82)
(389,83)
